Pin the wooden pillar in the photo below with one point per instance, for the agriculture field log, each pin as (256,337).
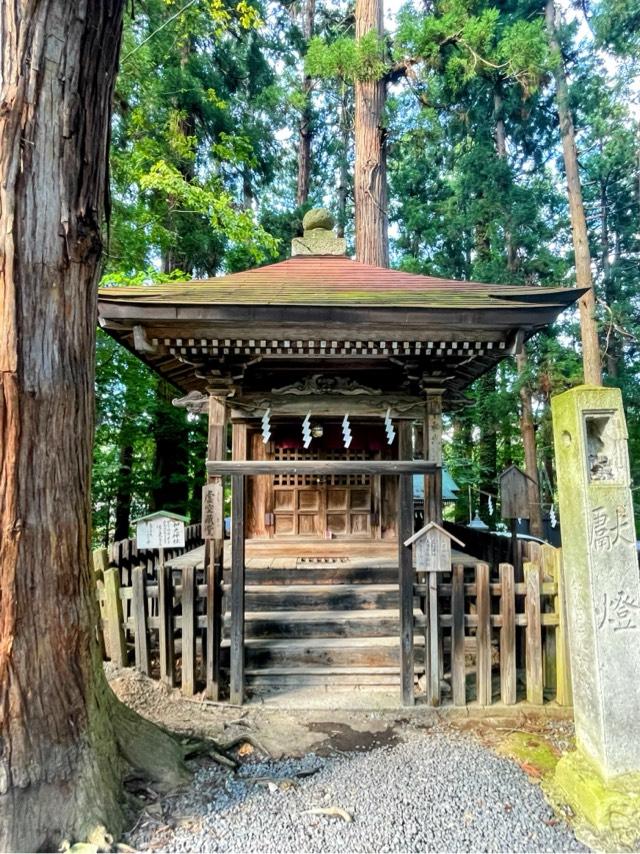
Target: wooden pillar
(237,590)
(405,566)
(214,544)
(432,449)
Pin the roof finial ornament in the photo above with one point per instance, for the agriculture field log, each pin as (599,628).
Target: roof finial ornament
(318,237)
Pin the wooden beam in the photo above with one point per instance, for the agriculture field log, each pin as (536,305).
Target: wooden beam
(405,568)
(237,590)
(349,467)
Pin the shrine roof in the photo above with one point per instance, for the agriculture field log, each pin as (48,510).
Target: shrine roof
(324,280)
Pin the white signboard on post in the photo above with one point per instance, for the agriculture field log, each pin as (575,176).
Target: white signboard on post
(162,530)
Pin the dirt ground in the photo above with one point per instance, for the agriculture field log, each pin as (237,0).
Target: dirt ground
(280,731)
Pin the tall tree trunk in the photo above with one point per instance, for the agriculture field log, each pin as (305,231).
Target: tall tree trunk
(123,491)
(171,464)
(305,131)
(370,178)
(591,361)
(527,426)
(527,431)
(60,765)
(613,346)
(488,440)
(343,170)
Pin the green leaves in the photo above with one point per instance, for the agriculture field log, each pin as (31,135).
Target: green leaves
(346,58)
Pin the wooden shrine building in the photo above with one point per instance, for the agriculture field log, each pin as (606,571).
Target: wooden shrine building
(334,375)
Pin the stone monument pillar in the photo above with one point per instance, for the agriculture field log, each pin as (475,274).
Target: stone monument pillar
(602,778)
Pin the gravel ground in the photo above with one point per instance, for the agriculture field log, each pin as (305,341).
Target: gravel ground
(440,790)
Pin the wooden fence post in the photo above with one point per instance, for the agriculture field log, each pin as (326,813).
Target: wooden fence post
(139,607)
(507,635)
(165,618)
(535,682)
(483,636)
(113,614)
(188,630)
(100,564)
(549,654)
(237,590)
(564,693)
(458,669)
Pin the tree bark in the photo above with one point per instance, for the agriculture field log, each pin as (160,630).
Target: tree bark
(305,131)
(528,433)
(370,174)
(343,171)
(60,761)
(527,426)
(171,462)
(591,360)
(613,348)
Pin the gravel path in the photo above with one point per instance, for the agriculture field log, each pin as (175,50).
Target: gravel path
(437,791)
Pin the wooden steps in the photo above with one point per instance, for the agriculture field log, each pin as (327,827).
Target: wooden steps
(276,678)
(371,623)
(326,624)
(320,597)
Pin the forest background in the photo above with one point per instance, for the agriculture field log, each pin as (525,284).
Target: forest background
(231,119)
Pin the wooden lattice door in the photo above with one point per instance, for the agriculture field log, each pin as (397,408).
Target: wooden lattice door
(316,505)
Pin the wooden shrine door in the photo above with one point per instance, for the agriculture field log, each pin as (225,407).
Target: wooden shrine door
(322,505)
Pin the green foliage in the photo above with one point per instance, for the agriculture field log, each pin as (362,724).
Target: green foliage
(347,58)
(203,162)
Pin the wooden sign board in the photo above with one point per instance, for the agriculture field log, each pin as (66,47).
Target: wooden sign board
(161,530)
(433,548)
(514,494)
(212,515)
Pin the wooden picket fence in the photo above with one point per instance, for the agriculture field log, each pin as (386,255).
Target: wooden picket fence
(501,639)
(125,555)
(508,629)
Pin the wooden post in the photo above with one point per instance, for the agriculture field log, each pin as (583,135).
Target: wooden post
(458,670)
(405,567)
(432,449)
(535,692)
(100,565)
(432,446)
(139,607)
(507,635)
(214,546)
(433,680)
(483,635)
(113,614)
(165,618)
(547,567)
(189,630)
(564,695)
(237,590)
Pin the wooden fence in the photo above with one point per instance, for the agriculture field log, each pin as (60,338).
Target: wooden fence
(502,639)
(125,555)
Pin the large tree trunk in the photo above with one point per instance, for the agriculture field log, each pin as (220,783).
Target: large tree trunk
(613,344)
(305,131)
(527,426)
(370,178)
(589,331)
(60,766)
